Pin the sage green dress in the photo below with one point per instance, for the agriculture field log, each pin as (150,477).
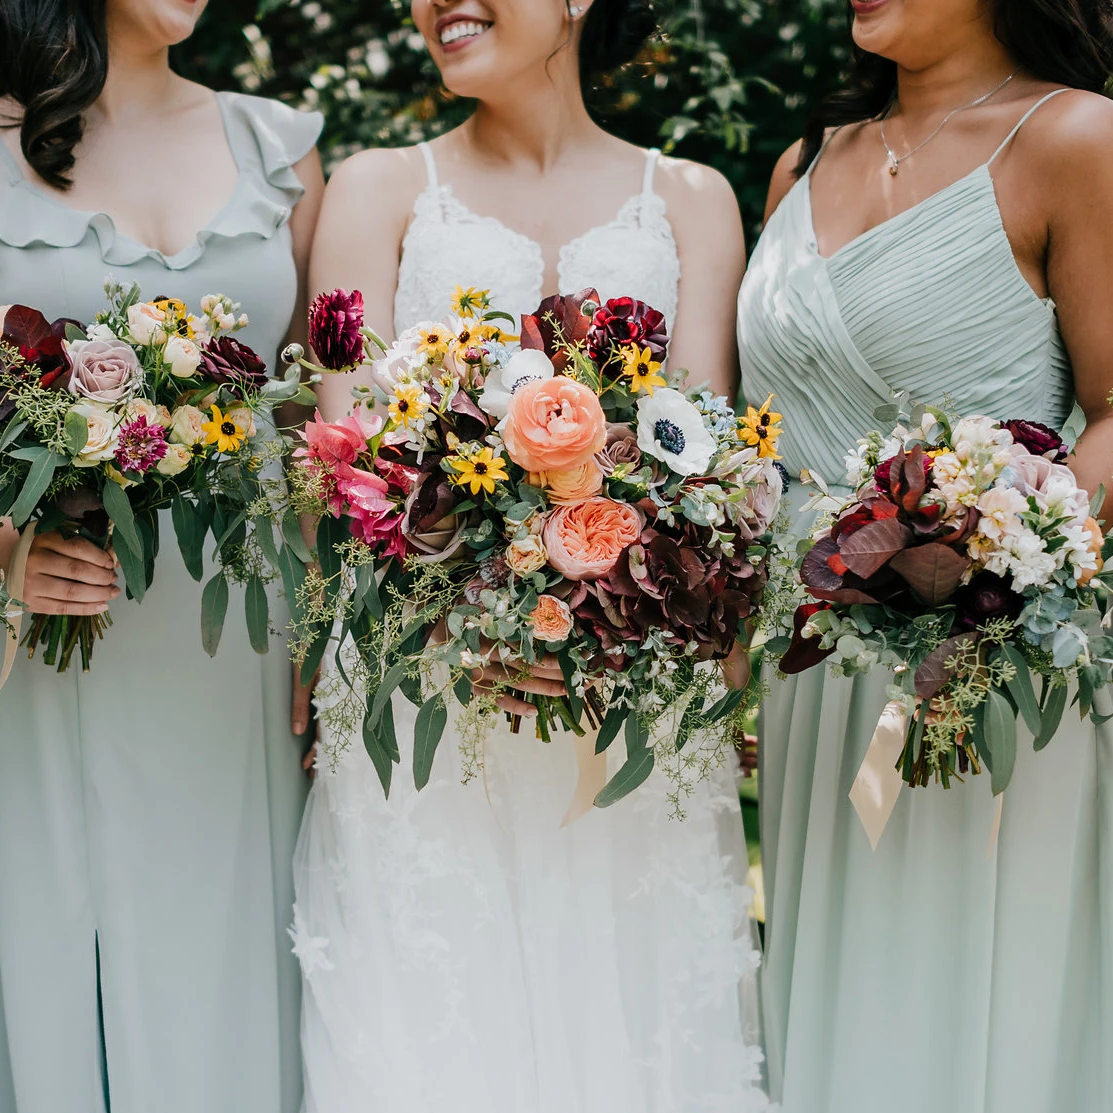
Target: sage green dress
(928,976)
(149,808)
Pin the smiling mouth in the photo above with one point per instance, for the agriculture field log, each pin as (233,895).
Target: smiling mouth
(462,30)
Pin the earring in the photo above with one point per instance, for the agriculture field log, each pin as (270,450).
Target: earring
(575,12)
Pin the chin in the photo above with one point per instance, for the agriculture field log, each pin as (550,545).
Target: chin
(164,22)
(880,26)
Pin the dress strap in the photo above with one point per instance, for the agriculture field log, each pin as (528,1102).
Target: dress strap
(1024,119)
(430,165)
(651,158)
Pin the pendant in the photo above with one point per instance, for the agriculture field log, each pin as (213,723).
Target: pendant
(894,167)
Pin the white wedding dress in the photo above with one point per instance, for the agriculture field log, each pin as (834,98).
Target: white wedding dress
(462,953)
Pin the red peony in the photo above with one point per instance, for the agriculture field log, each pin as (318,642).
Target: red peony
(627,321)
(335,321)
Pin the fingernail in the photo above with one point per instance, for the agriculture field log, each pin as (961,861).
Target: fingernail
(299,727)
(115,592)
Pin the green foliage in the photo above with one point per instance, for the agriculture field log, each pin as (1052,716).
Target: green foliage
(728,82)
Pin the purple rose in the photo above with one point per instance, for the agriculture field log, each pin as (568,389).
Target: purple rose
(105,371)
(335,321)
(1039,439)
(227,362)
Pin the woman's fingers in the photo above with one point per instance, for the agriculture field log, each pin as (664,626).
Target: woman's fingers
(516,707)
(300,704)
(63,566)
(75,548)
(522,682)
(61,590)
(309,762)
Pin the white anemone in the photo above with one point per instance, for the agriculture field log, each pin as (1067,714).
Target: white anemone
(671,430)
(525,366)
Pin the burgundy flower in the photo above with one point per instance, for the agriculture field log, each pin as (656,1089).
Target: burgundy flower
(140,445)
(1040,440)
(227,362)
(40,344)
(986,596)
(882,478)
(334,323)
(627,321)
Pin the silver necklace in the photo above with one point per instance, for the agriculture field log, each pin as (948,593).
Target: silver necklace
(895,160)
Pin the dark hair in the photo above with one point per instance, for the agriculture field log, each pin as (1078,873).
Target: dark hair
(614,33)
(1068,42)
(53,64)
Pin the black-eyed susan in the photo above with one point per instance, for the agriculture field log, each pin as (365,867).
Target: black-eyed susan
(224,432)
(470,302)
(479,470)
(760,429)
(434,343)
(408,404)
(643,371)
(178,320)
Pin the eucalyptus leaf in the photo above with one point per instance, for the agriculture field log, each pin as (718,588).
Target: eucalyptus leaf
(428,731)
(632,775)
(637,735)
(394,676)
(291,531)
(190,530)
(257,612)
(612,724)
(38,479)
(1000,739)
(377,738)
(118,506)
(1021,690)
(12,433)
(75,432)
(214,608)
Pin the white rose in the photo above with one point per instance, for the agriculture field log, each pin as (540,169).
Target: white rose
(103,432)
(175,461)
(141,407)
(185,426)
(243,417)
(100,332)
(183,357)
(145,323)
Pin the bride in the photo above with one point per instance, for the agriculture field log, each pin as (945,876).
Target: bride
(460,949)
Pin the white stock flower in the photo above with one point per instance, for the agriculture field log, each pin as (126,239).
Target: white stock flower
(525,366)
(671,429)
(402,357)
(856,466)
(1000,509)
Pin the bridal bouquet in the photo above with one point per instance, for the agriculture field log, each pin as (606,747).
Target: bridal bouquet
(968,561)
(556,493)
(149,407)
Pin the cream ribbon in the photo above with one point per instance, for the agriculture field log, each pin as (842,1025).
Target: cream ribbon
(15,589)
(591,778)
(878,784)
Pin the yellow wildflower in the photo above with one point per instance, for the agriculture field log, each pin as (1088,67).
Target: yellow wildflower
(434,343)
(641,369)
(761,428)
(408,405)
(470,301)
(223,431)
(479,471)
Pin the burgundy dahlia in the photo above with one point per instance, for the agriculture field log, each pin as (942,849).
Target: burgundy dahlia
(627,321)
(1040,440)
(985,597)
(227,362)
(140,445)
(335,321)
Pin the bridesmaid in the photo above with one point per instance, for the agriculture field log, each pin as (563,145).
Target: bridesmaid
(944,229)
(149,808)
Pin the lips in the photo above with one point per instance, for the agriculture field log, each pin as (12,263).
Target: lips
(456,31)
(866,7)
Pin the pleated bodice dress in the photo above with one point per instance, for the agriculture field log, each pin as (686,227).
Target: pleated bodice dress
(149,808)
(928,976)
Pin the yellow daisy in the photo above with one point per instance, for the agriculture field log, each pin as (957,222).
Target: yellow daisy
(178,320)
(479,471)
(761,428)
(434,343)
(469,302)
(223,432)
(409,404)
(641,369)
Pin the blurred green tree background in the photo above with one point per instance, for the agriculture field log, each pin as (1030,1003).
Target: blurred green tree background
(727,82)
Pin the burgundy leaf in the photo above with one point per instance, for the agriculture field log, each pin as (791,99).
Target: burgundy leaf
(25,327)
(867,550)
(933,674)
(803,653)
(816,573)
(933,571)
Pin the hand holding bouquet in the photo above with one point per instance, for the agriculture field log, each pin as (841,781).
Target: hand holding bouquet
(968,561)
(553,495)
(149,407)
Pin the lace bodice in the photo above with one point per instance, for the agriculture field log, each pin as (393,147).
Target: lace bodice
(448,245)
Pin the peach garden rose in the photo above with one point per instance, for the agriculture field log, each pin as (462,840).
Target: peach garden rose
(585,539)
(554,425)
(570,484)
(551,619)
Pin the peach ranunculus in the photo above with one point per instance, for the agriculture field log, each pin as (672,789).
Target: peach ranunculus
(586,539)
(1097,541)
(551,619)
(572,484)
(329,443)
(554,425)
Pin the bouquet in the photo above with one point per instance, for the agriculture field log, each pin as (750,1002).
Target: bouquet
(968,561)
(553,493)
(149,407)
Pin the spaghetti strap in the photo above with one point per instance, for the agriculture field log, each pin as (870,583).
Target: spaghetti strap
(651,157)
(819,154)
(1023,120)
(430,165)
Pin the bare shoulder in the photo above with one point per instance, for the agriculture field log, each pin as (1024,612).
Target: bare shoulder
(784,177)
(1074,128)
(385,174)
(682,182)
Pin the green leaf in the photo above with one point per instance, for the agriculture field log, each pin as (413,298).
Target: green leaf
(1051,716)
(133,565)
(727,705)
(75,432)
(264,535)
(612,724)
(366,593)
(631,776)
(1000,739)
(1020,688)
(293,577)
(11,434)
(637,735)
(190,529)
(214,606)
(377,740)
(568,670)
(428,730)
(331,533)
(291,531)
(314,655)
(257,610)
(118,505)
(35,484)
(462,690)
(394,676)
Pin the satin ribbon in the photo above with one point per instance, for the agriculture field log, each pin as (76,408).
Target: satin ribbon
(16,576)
(591,776)
(878,784)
